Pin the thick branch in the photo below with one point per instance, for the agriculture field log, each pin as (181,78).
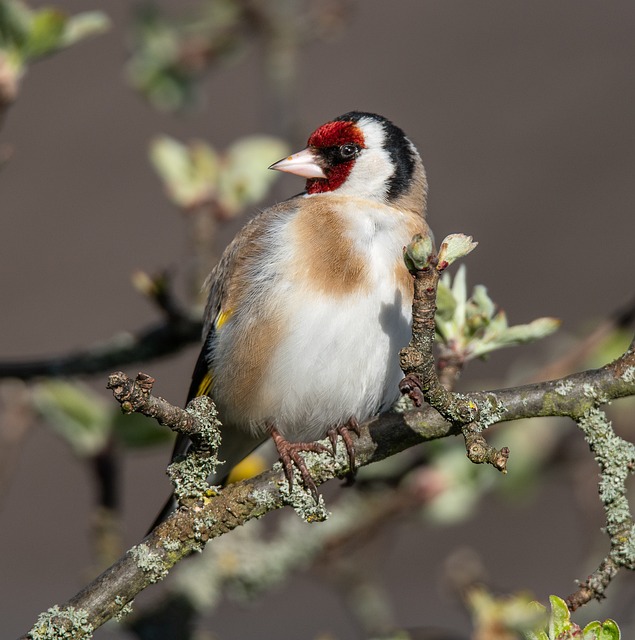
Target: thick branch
(211,516)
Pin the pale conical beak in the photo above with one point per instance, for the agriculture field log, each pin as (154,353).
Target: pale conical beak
(304,163)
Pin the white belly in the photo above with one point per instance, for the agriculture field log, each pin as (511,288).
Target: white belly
(339,360)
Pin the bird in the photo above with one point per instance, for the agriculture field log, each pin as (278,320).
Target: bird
(310,303)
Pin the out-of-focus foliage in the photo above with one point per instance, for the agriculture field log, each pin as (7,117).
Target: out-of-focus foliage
(195,174)
(610,348)
(169,55)
(74,412)
(251,561)
(28,34)
(87,422)
(461,485)
(473,327)
(137,432)
(509,617)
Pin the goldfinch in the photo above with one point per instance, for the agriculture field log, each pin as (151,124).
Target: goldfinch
(311,302)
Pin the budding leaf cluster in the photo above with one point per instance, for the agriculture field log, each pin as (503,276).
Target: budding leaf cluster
(473,326)
(88,423)
(560,626)
(419,253)
(515,616)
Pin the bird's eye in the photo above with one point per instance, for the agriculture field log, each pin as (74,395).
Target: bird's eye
(348,151)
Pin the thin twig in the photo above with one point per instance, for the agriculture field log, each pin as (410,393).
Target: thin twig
(594,586)
(135,396)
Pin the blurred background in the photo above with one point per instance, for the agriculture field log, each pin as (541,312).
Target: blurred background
(523,114)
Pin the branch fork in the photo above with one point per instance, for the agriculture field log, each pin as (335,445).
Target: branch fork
(136,396)
(421,381)
(199,422)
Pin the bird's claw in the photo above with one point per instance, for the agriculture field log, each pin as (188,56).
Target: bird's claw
(289,453)
(411,386)
(344,430)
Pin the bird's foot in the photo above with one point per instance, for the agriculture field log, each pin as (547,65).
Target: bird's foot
(289,453)
(344,430)
(411,386)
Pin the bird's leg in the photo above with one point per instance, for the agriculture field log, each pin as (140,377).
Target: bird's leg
(344,430)
(289,453)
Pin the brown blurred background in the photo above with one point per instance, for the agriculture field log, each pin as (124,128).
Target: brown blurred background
(524,116)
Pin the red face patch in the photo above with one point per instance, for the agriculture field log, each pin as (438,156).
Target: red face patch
(336,179)
(334,134)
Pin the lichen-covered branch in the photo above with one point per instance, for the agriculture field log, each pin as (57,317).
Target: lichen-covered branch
(135,396)
(616,459)
(473,413)
(190,527)
(593,587)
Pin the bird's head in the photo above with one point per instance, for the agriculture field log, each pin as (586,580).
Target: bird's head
(359,154)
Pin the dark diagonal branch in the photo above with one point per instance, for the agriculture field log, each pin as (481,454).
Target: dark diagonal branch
(153,342)
(179,329)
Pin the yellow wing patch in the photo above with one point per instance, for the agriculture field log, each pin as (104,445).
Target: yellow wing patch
(222,318)
(205,388)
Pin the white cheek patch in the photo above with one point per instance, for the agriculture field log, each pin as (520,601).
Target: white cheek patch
(373,168)
(373,131)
